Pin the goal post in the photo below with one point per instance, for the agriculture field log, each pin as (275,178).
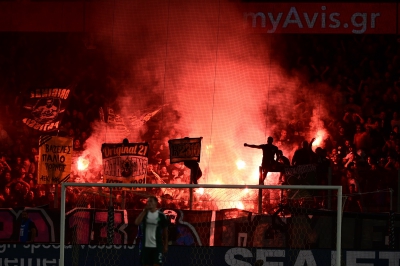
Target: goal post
(226,201)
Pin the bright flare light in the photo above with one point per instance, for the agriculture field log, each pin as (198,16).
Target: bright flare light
(240,164)
(319,138)
(82,164)
(200,191)
(239,205)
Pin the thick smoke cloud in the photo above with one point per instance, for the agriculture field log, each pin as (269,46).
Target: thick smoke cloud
(211,78)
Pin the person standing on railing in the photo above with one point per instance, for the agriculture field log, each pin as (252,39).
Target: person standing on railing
(268,161)
(283,162)
(154,233)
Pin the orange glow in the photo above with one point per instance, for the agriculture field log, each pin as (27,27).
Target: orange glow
(200,191)
(82,164)
(320,136)
(240,164)
(239,205)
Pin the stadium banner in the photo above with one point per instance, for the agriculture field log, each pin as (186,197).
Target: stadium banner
(44,108)
(186,149)
(229,228)
(55,158)
(43,254)
(125,163)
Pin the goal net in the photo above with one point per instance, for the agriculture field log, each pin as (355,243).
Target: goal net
(209,224)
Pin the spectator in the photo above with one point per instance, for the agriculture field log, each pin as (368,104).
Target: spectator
(353,202)
(384,123)
(77,145)
(28,230)
(5,140)
(4,166)
(360,141)
(395,120)
(302,155)
(5,179)
(390,144)
(165,176)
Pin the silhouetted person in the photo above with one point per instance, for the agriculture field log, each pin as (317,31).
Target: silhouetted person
(195,171)
(303,155)
(283,162)
(268,161)
(282,159)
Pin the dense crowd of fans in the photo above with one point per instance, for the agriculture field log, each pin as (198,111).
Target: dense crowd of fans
(362,145)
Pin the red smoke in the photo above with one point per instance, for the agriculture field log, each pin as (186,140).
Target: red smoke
(222,83)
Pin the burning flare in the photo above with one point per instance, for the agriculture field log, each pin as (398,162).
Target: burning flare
(82,164)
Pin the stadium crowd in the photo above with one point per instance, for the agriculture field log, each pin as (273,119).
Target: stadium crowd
(362,145)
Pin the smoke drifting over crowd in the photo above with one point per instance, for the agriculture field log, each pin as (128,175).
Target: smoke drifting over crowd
(200,71)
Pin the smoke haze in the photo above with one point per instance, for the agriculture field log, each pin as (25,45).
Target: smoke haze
(211,78)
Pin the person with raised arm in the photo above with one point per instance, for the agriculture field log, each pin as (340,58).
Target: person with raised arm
(269,154)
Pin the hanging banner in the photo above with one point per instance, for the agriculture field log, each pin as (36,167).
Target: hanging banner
(186,149)
(125,163)
(55,156)
(301,174)
(44,108)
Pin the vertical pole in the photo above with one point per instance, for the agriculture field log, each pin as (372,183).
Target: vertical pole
(339,227)
(398,191)
(190,198)
(62,225)
(391,231)
(55,196)
(110,220)
(260,190)
(329,191)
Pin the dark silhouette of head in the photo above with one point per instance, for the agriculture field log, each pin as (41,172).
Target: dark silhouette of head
(304,144)
(270,140)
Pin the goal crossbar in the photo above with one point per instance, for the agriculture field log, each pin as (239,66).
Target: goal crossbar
(194,186)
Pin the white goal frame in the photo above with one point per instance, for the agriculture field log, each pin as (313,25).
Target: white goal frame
(310,187)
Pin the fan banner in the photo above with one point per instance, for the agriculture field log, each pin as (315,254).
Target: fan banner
(55,157)
(229,227)
(125,163)
(300,169)
(301,174)
(186,149)
(44,108)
